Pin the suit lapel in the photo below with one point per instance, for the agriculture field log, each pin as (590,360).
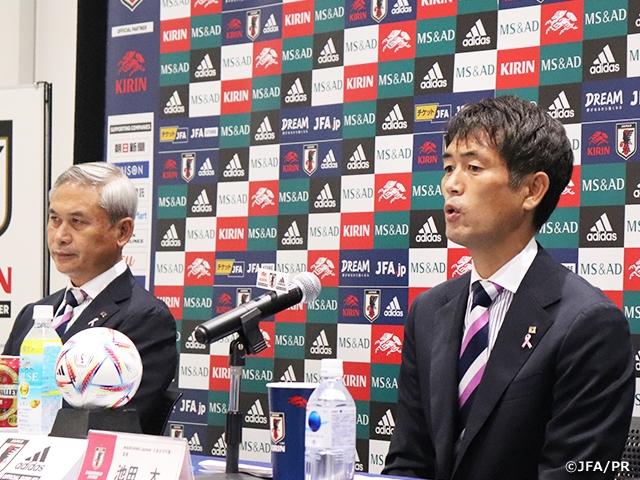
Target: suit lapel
(447,336)
(538,290)
(104,306)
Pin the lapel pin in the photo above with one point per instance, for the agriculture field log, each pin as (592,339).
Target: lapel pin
(527,337)
(103,314)
(92,322)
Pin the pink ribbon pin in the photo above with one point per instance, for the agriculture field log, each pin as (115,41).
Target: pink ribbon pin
(527,343)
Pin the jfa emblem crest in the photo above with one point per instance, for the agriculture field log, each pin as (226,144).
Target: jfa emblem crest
(379,9)
(131,4)
(188,169)
(371,304)
(277,426)
(310,163)
(98,457)
(253,24)
(626,136)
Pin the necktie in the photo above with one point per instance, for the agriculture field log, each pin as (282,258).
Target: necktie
(73,298)
(474,351)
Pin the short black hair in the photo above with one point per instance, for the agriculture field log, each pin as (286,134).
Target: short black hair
(527,139)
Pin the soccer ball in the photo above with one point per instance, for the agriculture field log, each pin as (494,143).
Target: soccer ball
(98,368)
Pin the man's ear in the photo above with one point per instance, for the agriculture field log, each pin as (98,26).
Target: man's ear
(537,185)
(124,230)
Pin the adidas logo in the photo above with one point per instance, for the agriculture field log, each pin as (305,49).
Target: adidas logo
(428,232)
(476,36)
(292,235)
(395,120)
(35,462)
(602,231)
(320,345)
(265,132)
(220,447)
(296,93)
(288,375)
(206,170)
(560,107)
(271,26)
(434,78)
(205,69)
(358,159)
(193,343)
(394,309)
(202,204)
(174,105)
(256,414)
(325,198)
(386,424)
(329,161)
(401,6)
(329,54)
(605,62)
(234,168)
(171,238)
(194,443)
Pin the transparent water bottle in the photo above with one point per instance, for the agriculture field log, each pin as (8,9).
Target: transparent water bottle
(330,427)
(39,397)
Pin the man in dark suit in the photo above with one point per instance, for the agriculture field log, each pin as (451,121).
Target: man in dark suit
(91,213)
(518,368)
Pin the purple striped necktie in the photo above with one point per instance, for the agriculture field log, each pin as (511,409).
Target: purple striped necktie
(73,298)
(474,350)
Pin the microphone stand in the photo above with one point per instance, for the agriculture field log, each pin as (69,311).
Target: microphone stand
(250,341)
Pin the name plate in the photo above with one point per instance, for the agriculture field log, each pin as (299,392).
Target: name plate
(38,457)
(111,455)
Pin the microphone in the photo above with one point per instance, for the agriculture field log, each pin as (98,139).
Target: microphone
(304,287)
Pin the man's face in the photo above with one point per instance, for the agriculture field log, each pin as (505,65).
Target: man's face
(81,242)
(482,212)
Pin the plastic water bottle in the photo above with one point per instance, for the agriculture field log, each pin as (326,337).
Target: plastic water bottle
(330,428)
(39,397)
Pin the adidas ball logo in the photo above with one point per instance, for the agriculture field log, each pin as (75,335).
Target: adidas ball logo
(329,54)
(265,132)
(476,36)
(602,231)
(320,345)
(205,69)
(174,105)
(395,120)
(605,62)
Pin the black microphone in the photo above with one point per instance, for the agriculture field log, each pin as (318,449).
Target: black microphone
(304,287)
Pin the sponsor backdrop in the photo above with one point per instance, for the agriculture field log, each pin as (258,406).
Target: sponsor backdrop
(23,161)
(308,136)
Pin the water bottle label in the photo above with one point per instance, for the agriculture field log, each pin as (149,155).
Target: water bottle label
(330,427)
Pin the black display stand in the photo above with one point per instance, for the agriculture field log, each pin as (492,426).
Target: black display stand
(72,423)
